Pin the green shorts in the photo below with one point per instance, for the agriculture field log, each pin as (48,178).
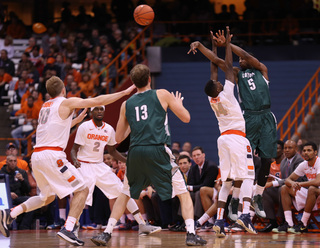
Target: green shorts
(261,131)
(149,165)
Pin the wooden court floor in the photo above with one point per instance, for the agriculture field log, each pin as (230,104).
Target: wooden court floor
(130,239)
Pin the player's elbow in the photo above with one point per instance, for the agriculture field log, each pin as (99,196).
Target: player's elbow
(186,119)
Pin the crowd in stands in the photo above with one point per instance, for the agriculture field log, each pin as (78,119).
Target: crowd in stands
(93,42)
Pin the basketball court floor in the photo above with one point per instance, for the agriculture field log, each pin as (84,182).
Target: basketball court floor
(130,239)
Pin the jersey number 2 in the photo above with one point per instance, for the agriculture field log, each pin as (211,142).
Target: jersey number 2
(142,113)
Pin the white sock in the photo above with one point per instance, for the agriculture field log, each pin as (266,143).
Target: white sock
(288,217)
(305,218)
(63,213)
(259,190)
(190,225)
(235,193)
(252,213)
(16,211)
(70,222)
(246,207)
(130,217)
(211,220)
(123,219)
(220,213)
(111,223)
(139,218)
(205,217)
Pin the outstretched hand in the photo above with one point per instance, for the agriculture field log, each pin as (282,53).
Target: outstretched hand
(130,89)
(178,97)
(193,47)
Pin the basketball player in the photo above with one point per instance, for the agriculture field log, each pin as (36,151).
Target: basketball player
(149,160)
(53,173)
(87,155)
(234,149)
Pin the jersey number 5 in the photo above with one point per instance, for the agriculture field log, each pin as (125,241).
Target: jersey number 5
(252,85)
(141,113)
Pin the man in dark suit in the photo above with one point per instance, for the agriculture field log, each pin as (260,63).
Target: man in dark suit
(271,195)
(202,173)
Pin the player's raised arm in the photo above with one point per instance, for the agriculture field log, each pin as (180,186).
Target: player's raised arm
(228,59)
(123,128)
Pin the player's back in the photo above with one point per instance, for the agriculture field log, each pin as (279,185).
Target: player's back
(147,119)
(253,90)
(52,131)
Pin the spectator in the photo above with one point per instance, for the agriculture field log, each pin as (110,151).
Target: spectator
(19,187)
(28,111)
(184,163)
(52,66)
(87,85)
(7,63)
(6,44)
(24,64)
(187,147)
(24,77)
(71,71)
(22,89)
(75,91)
(16,28)
(11,149)
(37,59)
(175,145)
(5,78)
(32,42)
(203,173)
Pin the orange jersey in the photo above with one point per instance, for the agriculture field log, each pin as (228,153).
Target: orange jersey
(31,113)
(5,78)
(275,169)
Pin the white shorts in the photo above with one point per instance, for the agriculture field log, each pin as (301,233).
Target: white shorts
(235,157)
(54,174)
(103,177)
(300,200)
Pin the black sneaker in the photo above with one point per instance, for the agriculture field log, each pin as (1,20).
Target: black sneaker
(218,228)
(258,206)
(245,221)
(5,222)
(178,228)
(194,240)
(298,229)
(268,228)
(69,237)
(282,229)
(101,239)
(233,209)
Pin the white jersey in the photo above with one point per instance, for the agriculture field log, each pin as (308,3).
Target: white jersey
(227,109)
(52,131)
(310,172)
(92,140)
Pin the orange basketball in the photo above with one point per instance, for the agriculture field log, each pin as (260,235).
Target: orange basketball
(143,15)
(39,28)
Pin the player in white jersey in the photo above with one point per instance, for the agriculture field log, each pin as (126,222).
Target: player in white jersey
(234,149)
(301,194)
(87,155)
(53,173)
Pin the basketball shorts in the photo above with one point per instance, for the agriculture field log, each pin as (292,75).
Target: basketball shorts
(54,174)
(261,131)
(100,175)
(153,165)
(235,157)
(300,199)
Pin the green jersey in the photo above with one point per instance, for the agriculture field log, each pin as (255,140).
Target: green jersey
(253,90)
(147,119)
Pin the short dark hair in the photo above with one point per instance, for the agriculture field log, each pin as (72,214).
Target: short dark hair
(198,148)
(211,88)
(281,143)
(310,143)
(182,157)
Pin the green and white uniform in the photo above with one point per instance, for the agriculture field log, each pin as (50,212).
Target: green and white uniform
(261,125)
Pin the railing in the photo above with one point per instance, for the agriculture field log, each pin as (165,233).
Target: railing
(123,62)
(300,109)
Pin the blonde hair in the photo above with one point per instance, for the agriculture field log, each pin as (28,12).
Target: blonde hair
(140,75)
(54,86)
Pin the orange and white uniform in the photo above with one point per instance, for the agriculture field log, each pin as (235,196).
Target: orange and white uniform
(234,149)
(310,172)
(92,140)
(53,172)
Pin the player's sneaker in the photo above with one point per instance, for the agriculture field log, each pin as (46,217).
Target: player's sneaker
(146,229)
(235,227)
(245,221)
(282,228)
(69,237)
(218,228)
(258,206)
(207,227)
(94,226)
(197,226)
(194,240)
(233,209)
(5,222)
(298,229)
(76,229)
(101,239)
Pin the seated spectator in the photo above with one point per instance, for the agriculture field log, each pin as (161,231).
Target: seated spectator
(7,63)
(187,147)
(272,190)
(20,91)
(184,163)
(122,170)
(26,78)
(28,111)
(31,43)
(5,78)
(203,173)
(60,61)
(37,59)
(73,72)
(295,193)
(108,75)
(6,44)
(11,149)
(51,65)
(87,85)
(75,91)
(24,64)
(16,29)
(175,145)
(20,189)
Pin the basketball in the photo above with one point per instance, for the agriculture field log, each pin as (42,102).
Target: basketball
(39,28)
(143,15)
